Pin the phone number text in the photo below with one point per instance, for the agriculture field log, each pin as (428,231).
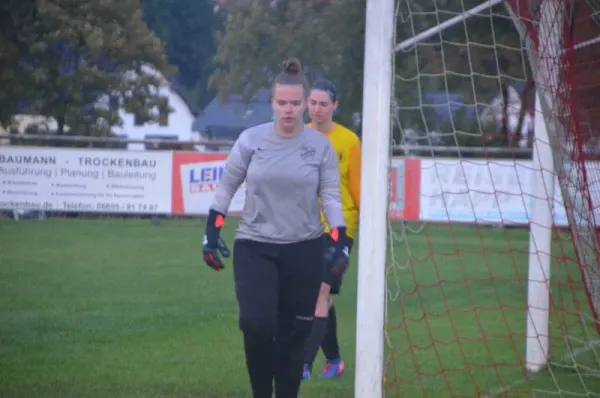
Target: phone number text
(123,207)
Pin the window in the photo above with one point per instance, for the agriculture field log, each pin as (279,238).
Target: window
(163,119)
(138,120)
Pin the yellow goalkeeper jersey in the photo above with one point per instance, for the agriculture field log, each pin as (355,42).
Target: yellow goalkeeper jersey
(347,148)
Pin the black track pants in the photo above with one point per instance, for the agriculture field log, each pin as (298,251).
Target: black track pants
(277,286)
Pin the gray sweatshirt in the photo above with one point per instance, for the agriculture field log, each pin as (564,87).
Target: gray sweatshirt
(285,178)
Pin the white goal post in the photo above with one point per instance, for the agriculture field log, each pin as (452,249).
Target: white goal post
(376,121)
(376,138)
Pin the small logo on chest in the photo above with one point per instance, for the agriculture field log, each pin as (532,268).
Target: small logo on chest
(307,152)
(260,153)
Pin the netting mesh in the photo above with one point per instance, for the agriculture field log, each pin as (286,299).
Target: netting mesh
(465,189)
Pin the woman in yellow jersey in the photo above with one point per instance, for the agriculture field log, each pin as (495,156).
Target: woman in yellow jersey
(322,103)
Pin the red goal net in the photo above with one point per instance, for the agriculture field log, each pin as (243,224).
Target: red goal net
(493,278)
(573,101)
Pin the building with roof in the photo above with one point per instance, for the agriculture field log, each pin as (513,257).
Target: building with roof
(224,120)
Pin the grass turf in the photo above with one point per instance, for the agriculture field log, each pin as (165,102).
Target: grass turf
(124,308)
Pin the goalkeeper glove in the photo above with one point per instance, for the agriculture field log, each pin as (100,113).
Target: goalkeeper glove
(337,255)
(213,243)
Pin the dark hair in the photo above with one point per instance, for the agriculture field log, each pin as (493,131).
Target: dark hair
(328,86)
(291,74)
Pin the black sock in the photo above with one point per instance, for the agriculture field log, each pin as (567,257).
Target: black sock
(260,361)
(314,340)
(330,345)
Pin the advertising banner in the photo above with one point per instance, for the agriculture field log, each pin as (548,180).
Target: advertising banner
(157,182)
(492,191)
(195,178)
(85,180)
(405,188)
(469,191)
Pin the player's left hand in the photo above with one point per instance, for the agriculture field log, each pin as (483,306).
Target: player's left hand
(337,255)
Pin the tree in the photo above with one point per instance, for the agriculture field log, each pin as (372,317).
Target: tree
(327,36)
(186,27)
(80,61)
(13,15)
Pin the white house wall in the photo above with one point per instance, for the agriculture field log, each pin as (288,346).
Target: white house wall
(180,120)
(180,123)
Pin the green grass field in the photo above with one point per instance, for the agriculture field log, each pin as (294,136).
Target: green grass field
(125,308)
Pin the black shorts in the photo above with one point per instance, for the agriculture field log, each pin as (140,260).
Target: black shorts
(335,281)
(278,284)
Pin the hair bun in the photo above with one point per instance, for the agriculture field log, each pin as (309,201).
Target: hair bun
(292,66)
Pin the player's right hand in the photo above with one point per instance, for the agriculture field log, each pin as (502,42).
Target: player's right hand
(213,244)
(212,258)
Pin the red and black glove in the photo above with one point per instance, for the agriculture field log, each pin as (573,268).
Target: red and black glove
(213,243)
(337,255)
